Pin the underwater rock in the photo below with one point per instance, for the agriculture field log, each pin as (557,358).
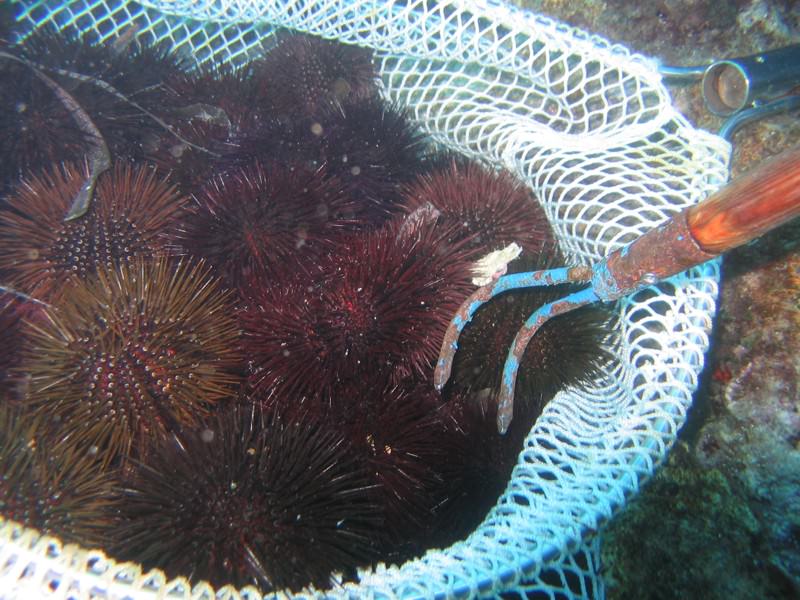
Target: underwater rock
(688,527)
(753,431)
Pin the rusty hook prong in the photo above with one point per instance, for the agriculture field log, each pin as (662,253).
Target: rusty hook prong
(505,401)
(483,294)
(753,204)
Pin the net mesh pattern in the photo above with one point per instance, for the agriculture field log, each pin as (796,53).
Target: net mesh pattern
(590,128)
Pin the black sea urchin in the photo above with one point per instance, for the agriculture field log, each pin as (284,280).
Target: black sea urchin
(399,432)
(303,74)
(59,493)
(54,79)
(367,145)
(370,147)
(481,460)
(119,85)
(567,350)
(373,148)
(250,221)
(490,207)
(37,127)
(131,355)
(133,213)
(382,305)
(217,112)
(277,501)
(570,352)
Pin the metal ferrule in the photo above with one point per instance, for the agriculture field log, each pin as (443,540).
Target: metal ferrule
(731,85)
(661,252)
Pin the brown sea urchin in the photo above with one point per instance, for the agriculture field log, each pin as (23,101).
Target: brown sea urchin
(131,355)
(132,214)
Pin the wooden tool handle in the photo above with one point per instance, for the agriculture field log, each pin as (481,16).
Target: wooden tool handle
(754,203)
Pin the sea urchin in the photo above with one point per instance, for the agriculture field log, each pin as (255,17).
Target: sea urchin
(59,493)
(271,500)
(131,355)
(250,221)
(490,207)
(303,74)
(380,307)
(133,213)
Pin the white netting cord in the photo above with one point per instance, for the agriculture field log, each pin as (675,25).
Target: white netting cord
(590,129)
(600,200)
(594,89)
(577,577)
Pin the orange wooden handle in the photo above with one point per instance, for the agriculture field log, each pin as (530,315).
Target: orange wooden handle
(754,203)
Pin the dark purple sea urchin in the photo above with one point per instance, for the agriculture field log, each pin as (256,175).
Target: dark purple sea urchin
(37,128)
(569,350)
(274,500)
(480,464)
(250,221)
(218,112)
(117,85)
(61,94)
(373,148)
(303,74)
(489,207)
(131,355)
(380,305)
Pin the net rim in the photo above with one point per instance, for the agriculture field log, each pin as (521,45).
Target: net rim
(644,463)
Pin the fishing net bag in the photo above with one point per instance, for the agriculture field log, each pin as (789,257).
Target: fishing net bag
(590,128)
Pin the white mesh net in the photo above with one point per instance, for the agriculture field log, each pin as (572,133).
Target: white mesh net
(591,129)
